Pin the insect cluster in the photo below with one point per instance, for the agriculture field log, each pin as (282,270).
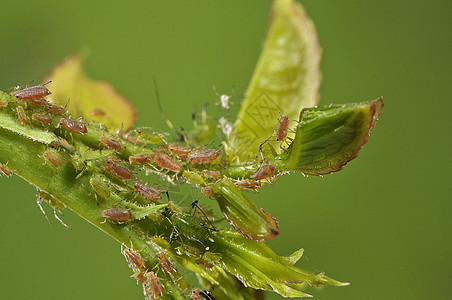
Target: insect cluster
(111,162)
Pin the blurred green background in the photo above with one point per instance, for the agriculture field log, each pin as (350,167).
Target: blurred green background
(383,223)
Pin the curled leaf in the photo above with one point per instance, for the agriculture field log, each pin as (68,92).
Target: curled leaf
(93,100)
(286,79)
(328,137)
(249,220)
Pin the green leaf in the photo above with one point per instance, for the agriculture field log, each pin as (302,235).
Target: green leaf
(93,100)
(328,137)
(249,220)
(257,266)
(286,79)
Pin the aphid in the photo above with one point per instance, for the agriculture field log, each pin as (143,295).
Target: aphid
(110,143)
(99,187)
(164,161)
(211,174)
(141,277)
(44,119)
(247,184)
(117,214)
(78,163)
(204,263)
(124,136)
(56,109)
(149,192)
(208,191)
(283,127)
(97,112)
(33,92)
(201,295)
(73,126)
(63,143)
(135,261)
(190,227)
(3,103)
(53,158)
(153,287)
(180,151)
(194,178)
(149,135)
(55,204)
(112,167)
(21,115)
(263,172)
(140,159)
(195,295)
(165,263)
(203,157)
(5,171)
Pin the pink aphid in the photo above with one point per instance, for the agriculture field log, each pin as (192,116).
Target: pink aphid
(203,157)
(120,172)
(263,172)
(135,260)
(110,143)
(147,191)
(33,92)
(283,127)
(117,214)
(73,126)
(164,161)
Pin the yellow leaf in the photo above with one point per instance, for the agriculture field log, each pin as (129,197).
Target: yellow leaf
(91,99)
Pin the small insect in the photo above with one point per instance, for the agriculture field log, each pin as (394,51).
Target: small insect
(195,295)
(204,263)
(263,172)
(78,163)
(149,192)
(211,174)
(180,151)
(100,188)
(110,143)
(63,143)
(21,115)
(5,171)
(190,227)
(247,184)
(164,161)
(149,135)
(165,263)
(119,215)
(55,204)
(140,159)
(56,109)
(73,126)
(203,157)
(194,178)
(53,158)
(3,103)
(153,287)
(201,295)
(44,119)
(283,127)
(33,92)
(135,261)
(120,172)
(208,191)
(97,112)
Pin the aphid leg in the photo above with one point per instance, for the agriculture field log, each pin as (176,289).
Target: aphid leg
(262,144)
(167,195)
(199,241)
(58,218)
(195,205)
(39,201)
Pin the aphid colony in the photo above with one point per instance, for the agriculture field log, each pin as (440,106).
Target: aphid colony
(152,285)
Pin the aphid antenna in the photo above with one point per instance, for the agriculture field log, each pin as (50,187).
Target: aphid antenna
(46,83)
(195,205)
(159,104)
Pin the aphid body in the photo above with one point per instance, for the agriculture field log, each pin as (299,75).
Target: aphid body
(165,263)
(21,115)
(203,157)
(112,167)
(263,172)
(44,119)
(140,159)
(56,109)
(73,126)
(153,287)
(247,184)
(97,112)
(117,214)
(194,178)
(195,295)
(180,151)
(100,187)
(33,93)
(5,171)
(148,192)
(110,143)
(283,127)
(208,191)
(53,158)
(164,161)
(211,174)
(135,261)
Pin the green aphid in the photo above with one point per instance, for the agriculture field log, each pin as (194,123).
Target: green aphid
(78,162)
(149,135)
(194,178)
(189,227)
(204,129)
(100,187)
